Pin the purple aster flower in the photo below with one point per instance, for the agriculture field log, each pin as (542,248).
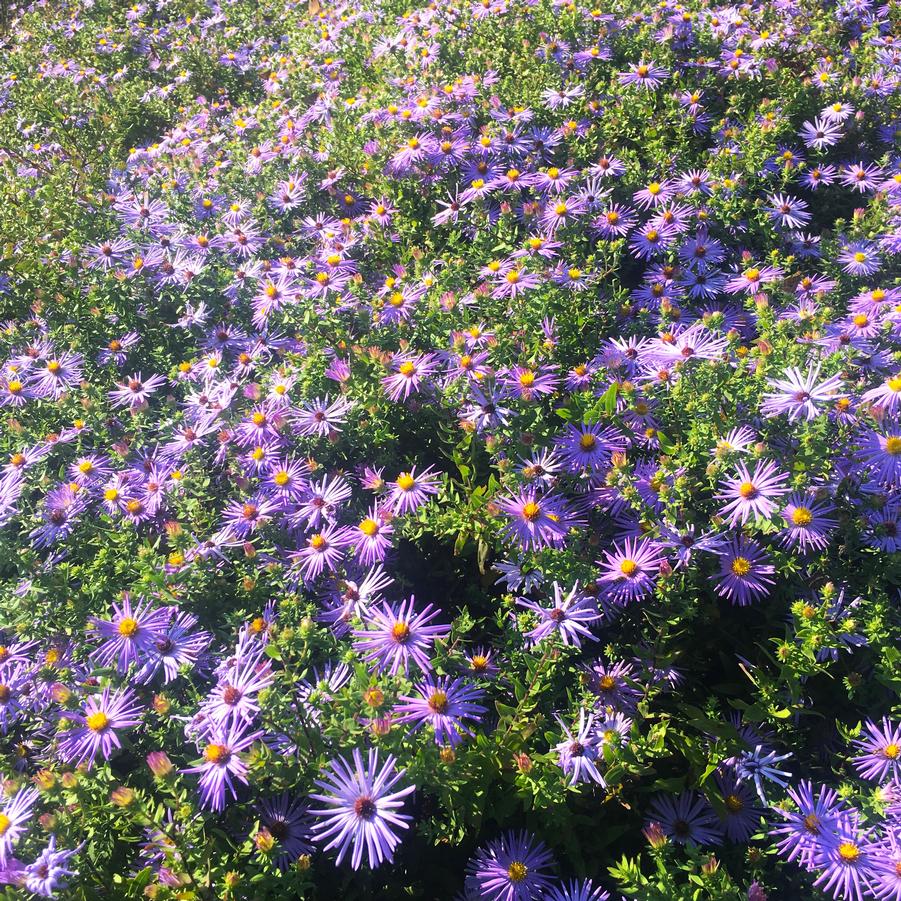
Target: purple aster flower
(861,177)
(798,393)
(887,396)
(578,754)
(445,705)
(815,822)
(372,538)
(129,636)
(751,496)
(15,815)
(323,550)
(221,764)
(410,371)
(59,375)
(234,699)
(513,867)
(745,572)
(881,747)
(362,812)
(759,764)
(751,280)
(687,818)
(577,891)
(321,501)
(616,686)
(881,451)
(180,645)
(808,522)
(787,211)
(821,133)
(569,617)
(847,864)
(47,874)
(628,572)
(397,636)
(320,417)
(536,521)
(243,517)
(615,221)
(860,258)
(741,813)
(135,391)
(287,820)
(588,446)
(886,858)
(96,727)
(411,490)
(644,75)
(61,508)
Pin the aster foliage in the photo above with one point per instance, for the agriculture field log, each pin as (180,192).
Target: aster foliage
(450,450)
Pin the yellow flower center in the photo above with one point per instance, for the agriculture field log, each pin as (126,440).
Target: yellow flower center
(128,627)
(97,721)
(217,753)
(317,542)
(628,567)
(400,631)
(531,511)
(369,527)
(281,479)
(741,566)
(517,871)
(801,516)
(848,852)
(752,274)
(893,445)
(747,490)
(5,823)
(892,751)
(894,383)
(861,320)
(860,257)
(527,379)
(734,803)
(405,481)
(406,369)
(438,701)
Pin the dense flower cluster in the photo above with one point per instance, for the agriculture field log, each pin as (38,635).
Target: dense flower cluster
(451,451)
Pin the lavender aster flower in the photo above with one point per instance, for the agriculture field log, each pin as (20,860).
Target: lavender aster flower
(397,636)
(745,572)
(577,756)
(362,810)
(15,814)
(686,818)
(569,617)
(130,634)
(103,715)
(513,867)
(444,704)
(221,764)
(881,747)
(47,875)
